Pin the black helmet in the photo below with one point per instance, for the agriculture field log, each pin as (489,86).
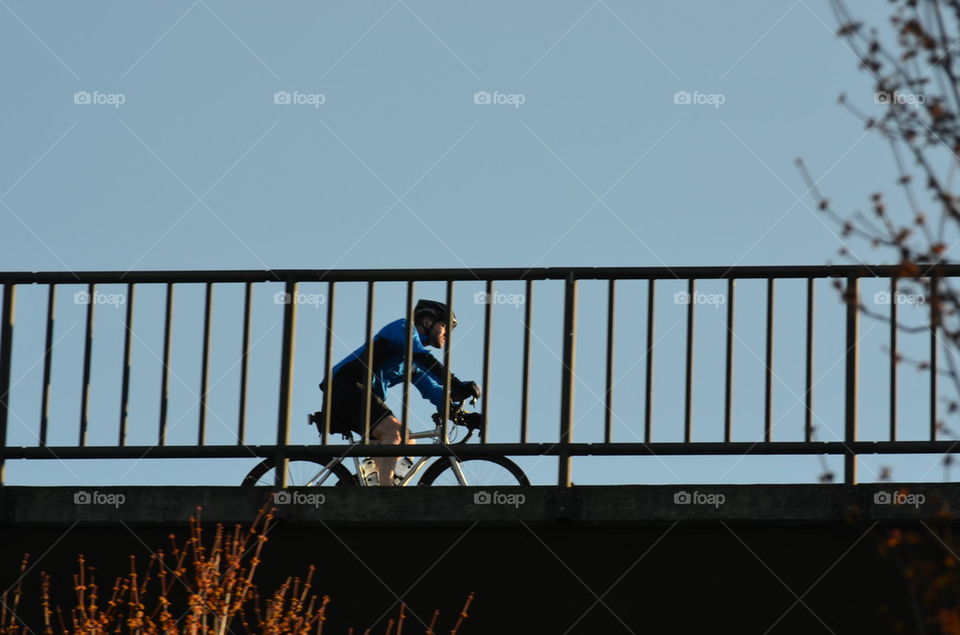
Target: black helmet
(437,310)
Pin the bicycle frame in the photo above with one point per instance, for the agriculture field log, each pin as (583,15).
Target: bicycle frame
(434,434)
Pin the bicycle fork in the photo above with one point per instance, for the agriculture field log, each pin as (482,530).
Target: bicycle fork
(458,471)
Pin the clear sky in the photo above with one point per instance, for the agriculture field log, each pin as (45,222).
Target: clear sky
(247,135)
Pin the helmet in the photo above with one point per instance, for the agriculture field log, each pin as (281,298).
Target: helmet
(437,310)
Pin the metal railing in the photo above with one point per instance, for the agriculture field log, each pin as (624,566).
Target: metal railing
(563,447)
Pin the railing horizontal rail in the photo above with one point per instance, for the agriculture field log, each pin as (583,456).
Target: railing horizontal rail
(694,448)
(485,273)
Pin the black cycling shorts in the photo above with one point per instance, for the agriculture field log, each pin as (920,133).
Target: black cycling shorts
(347,411)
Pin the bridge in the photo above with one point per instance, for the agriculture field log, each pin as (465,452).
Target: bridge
(96,368)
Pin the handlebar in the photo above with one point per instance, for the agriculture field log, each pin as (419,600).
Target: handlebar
(461,417)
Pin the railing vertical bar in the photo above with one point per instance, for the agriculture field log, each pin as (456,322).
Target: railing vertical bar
(569,377)
(728,371)
(48,361)
(688,389)
(368,362)
(245,364)
(6,355)
(205,364)
(127,362)
(893,358)
(852,374)
(328,362)
(648,400)
(286,382)
(408,363)
(608,394)
(447,356)
(525,395)
(487,345)
(165,380)
(87,352)
(768,363)
(934,325)
(808,393)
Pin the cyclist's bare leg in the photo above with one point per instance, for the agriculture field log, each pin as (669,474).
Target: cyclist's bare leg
(387,432)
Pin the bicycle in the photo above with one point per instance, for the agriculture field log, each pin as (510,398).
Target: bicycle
(444,470)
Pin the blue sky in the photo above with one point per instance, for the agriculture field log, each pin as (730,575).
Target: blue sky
(586,155)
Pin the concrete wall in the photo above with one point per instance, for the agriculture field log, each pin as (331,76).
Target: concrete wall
(537,567)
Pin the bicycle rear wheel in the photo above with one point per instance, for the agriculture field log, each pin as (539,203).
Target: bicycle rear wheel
(300,472)
(486,471)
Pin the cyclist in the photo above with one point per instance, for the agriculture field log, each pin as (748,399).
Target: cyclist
(431,320)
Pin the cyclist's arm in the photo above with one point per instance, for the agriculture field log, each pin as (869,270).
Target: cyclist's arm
(427,373)
(427,376)
(429,387)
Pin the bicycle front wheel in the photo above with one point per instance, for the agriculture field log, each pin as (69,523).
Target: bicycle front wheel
(300,472)
(485,471)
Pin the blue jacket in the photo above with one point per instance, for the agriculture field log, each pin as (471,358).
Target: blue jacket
(389,354)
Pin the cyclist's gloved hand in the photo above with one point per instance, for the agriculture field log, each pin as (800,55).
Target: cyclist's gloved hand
(465,390)
(473,420)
